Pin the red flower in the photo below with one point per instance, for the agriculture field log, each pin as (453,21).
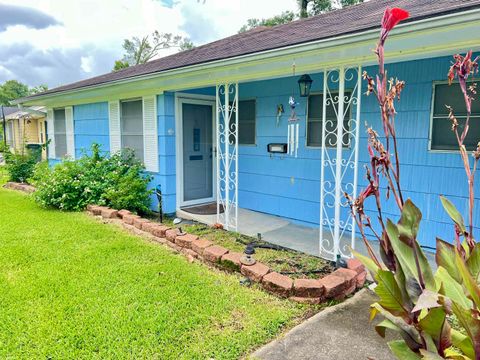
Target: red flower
(391,17)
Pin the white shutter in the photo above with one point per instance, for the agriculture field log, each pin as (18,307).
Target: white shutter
(51,134)
(69,127)
(114,125)
(150,134)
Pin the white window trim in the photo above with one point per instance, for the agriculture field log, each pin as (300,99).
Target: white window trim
(51,134)
(150,135)
(70,132)
(114,126)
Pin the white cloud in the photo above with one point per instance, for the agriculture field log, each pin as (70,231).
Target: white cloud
(89,33)
(86,63)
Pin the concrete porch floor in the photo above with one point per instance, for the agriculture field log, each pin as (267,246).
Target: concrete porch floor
(280,231)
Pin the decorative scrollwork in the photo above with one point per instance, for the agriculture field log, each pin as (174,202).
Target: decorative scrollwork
(339,163)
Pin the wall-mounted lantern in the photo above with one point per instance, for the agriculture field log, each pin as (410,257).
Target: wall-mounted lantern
(305,83)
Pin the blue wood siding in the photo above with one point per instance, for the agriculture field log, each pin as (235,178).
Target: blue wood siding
(91,126)
(289,187)
(166,142)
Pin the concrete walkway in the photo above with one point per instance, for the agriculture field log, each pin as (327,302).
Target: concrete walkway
(341,332)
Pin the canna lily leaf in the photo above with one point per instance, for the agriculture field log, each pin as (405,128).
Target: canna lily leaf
(428,355)
(401,350)
(408,332)
(452,289)
(427,300)
(473,262)
(445,257)
(389,293)
(384,325)
(435,324)
(468,281)
(406,257)
(453,355)
(409,222)
(470,323)
(462,342)
(453,213)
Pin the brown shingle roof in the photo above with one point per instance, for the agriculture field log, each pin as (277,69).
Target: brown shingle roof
(352,19)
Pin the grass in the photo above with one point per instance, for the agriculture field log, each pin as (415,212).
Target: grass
(72,288)
(293,263)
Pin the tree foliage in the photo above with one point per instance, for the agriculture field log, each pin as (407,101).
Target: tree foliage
(140,50)
(283,18)
(306,8)
(13,89)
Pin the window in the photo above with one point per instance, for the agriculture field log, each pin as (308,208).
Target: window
(314,121)
(60,129)
(246,122)
(442,136)
(10,140)
(131,126)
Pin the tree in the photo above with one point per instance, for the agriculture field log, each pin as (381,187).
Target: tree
(11,90)
(283,18)
(140,50)
(38,89)
(322,6)
(120,64)
(306,9)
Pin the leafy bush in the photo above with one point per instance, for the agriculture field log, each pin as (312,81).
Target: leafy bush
(416,302)
(116,181)
(20,167)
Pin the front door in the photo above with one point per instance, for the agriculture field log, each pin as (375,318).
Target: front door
(197,121)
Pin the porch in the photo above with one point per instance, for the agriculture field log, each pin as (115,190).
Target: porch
(283,232)
(286,171)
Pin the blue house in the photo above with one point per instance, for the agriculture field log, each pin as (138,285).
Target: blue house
(214,125)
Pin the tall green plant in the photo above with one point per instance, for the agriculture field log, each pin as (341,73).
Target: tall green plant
(413,300)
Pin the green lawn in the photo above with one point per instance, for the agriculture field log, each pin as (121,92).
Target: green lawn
(71,287)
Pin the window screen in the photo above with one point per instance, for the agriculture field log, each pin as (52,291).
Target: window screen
(246,122)
(60,129)
(314,121)
(442,137)
(132,127)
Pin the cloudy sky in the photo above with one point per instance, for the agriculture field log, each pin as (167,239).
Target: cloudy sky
(56,42)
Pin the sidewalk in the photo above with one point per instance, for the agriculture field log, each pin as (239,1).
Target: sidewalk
(341,332)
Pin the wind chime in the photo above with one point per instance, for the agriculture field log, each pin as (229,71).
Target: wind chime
(293,124)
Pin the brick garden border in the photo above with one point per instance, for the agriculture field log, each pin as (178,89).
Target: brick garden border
(26,188)
(337,285)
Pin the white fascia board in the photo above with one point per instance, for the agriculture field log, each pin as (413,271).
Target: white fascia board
(421,39)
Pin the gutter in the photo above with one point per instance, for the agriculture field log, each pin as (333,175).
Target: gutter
(372,34)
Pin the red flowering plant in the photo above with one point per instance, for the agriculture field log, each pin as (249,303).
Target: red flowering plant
(414,301)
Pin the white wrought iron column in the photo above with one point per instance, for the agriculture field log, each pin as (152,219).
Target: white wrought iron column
(357,141)
(339,159)
(227,155)
(338,162)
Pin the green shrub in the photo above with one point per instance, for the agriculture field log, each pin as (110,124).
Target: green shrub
(20,166)
(117,181)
